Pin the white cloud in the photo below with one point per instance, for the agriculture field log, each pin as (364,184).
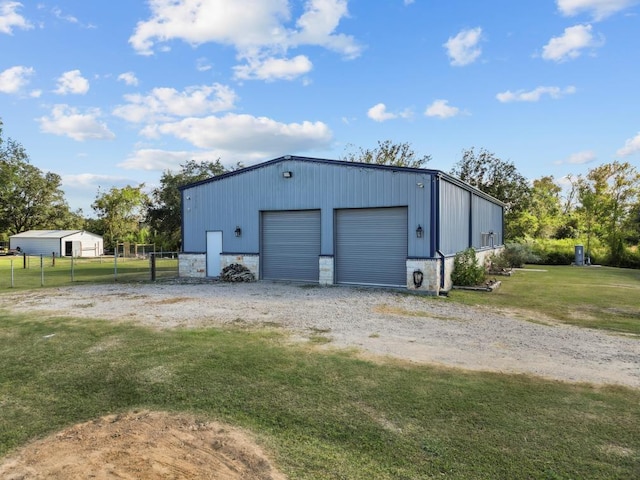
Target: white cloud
(10,18)
(599,9)
(68,121)
(202,64)
(571,43)
(150,159)
(318,24)
(242,23)
(535,94)
(259,30)
(57,12)
(14,79)
(65,17)
(165,104)
(72,82)
(379,113)
(246,134)
(463,49)
(89,181)
(631,147)
(581,158)
(409,2)
(274,68)
(442,109)
(129,78)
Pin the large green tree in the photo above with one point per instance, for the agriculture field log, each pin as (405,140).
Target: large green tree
(608,195)
(388,153)
(164,214)
(121,213)
(29,198)
(634,225)
(546,207)
(502,180)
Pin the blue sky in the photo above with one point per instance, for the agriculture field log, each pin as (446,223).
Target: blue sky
(109,93)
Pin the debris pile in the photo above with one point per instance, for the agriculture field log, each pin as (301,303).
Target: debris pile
(237,273)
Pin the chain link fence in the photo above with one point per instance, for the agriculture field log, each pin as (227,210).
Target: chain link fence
(29,271)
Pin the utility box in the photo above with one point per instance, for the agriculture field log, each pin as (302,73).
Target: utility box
(579,255)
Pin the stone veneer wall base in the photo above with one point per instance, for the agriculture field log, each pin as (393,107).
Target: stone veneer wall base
(192,265)
(249,260)
(326,270)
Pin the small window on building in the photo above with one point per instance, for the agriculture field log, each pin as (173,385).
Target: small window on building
(487,239)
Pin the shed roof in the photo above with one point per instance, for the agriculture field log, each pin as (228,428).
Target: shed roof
(50,233)
(392,168)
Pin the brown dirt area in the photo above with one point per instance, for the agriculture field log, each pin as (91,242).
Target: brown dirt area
(143,446)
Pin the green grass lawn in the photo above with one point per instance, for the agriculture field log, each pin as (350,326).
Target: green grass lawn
(331,415)
(596,297)
(323,415)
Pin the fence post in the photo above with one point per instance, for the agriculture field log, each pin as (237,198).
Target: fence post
(41,270)
(24,260)
(115,267)
(152,259)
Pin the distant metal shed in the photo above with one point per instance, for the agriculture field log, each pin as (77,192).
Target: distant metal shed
(335,222)
(64,243)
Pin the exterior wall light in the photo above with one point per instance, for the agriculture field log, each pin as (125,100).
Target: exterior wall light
(287,174)
(419,232)
(238,232)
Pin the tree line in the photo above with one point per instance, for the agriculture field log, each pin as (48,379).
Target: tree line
(600,209)
(31,199)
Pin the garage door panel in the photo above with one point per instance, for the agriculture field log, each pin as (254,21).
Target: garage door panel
(371,246)
(291,245)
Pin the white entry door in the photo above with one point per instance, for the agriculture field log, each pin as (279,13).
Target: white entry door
(214,249)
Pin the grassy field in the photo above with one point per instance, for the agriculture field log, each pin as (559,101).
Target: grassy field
(331,415)
(66,271)
(325,415)
(595,297)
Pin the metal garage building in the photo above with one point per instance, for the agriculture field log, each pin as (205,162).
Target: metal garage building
(335,222)
(64,243)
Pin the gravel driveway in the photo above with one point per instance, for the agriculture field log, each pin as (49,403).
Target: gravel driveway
(378,322)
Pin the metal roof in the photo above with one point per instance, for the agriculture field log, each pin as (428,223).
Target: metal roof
(343,163)
(50,233)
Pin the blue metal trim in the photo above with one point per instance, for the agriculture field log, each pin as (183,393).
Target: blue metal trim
(470,239)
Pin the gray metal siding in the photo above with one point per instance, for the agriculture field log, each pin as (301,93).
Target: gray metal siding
(371,246)
(487,217)
(455,211)
(291,245)
(238,199)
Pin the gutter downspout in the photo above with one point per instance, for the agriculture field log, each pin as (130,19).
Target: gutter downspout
(435,235)
(182,220)
(435,216)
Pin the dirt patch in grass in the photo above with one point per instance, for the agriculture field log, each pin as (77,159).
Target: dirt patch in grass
(171,301)
(143,445)
(389,310)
